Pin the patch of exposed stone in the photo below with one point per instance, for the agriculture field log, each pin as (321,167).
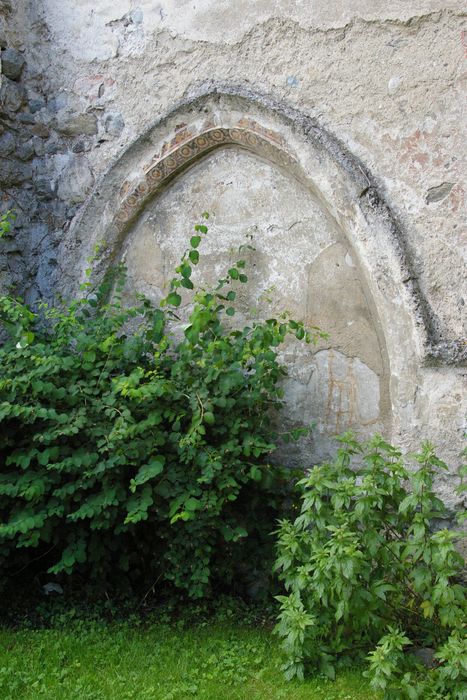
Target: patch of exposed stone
(45,173)
(436,194)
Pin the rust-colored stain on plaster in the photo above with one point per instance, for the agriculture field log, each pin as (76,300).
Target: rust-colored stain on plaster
(92,87)
(457,198)
(420,150)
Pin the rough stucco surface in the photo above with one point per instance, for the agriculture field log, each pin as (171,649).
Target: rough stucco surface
(386,79)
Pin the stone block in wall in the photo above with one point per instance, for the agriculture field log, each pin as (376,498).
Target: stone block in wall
(14,173)
(81,146)
(39,148)
(43,187)
(12,63)
(113,123)
(25,151)
(26,118)
(75,181)
(12,96)
(7,144)
(70,124)
(36,104)
(41,130)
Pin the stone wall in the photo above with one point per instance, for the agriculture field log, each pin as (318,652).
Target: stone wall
(330,133)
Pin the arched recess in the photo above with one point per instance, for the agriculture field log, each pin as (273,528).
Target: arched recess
(225,117)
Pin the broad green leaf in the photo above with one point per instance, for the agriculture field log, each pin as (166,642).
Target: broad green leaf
(174,299)
(148,471)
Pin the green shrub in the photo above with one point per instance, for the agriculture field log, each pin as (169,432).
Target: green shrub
(365,569)
(130,456)
(6,221)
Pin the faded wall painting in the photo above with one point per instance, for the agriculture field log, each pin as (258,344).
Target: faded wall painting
(297,261)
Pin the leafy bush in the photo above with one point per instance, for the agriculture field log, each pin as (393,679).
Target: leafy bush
(364,568)
(130,456)
(6,221)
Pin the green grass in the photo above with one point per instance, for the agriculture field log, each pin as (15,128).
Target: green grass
(119,661)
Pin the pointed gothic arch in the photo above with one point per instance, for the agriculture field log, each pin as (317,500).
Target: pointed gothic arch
(230,117)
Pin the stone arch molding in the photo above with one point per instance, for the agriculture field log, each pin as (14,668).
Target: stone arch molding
(225,117)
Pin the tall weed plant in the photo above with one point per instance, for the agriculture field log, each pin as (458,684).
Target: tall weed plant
(369,574)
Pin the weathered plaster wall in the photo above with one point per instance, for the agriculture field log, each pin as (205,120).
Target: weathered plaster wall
(385,79)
